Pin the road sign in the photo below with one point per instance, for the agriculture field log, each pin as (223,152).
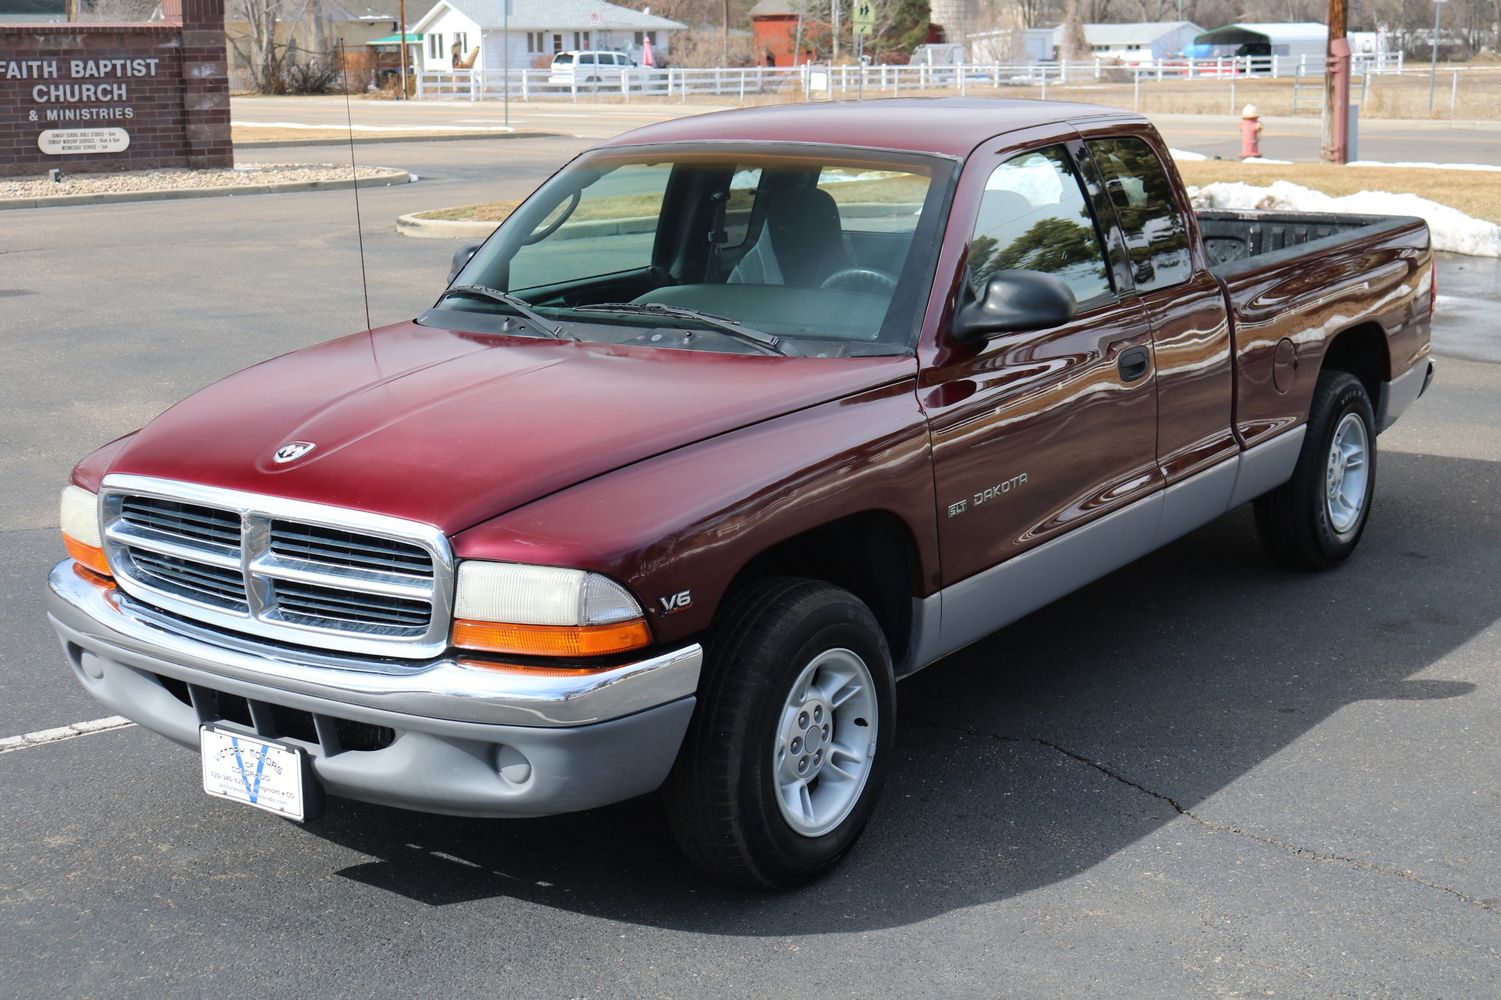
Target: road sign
(864,17)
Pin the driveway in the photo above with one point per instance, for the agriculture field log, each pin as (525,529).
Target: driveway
(1198,777)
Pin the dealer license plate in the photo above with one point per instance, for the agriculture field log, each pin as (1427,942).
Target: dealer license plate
(258,772)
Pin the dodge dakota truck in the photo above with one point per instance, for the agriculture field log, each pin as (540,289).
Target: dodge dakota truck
(735,422)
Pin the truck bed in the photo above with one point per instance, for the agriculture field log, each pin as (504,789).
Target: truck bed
(1231,237)
(1302,278)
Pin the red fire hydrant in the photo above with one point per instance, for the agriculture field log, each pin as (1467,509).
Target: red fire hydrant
(1250,132)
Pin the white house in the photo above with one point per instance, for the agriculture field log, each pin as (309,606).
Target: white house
(1134,43)
(537,29)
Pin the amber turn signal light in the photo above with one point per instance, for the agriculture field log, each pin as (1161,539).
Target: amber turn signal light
(90,557)
(551,640)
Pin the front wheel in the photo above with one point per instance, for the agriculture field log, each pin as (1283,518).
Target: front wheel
(782,763)
(1315,519)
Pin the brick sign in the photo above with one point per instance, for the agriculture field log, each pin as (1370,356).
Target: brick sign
(91,97)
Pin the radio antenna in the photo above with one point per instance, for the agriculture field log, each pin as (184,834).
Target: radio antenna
(354,174)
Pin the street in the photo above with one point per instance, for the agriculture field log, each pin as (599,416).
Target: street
(1285,138)
(1200,776)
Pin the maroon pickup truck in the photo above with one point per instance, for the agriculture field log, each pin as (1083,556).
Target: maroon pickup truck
(736,421)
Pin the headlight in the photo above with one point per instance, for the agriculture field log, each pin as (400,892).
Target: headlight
(544,611)
(79,520)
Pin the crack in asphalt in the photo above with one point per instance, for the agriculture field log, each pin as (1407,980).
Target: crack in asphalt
(1358,864)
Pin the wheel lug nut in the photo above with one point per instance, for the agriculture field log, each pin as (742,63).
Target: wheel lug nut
(826,730)
(802,765)
(818,713)
(797,744)
(802,720)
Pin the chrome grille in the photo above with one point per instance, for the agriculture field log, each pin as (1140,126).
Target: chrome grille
(194,580)
(203,524)
(332,547)
(314,603)
(282,569)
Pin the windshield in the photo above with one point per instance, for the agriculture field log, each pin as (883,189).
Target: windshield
(811,252)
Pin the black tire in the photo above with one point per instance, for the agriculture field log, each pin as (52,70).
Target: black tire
(1294,520)
(721,796)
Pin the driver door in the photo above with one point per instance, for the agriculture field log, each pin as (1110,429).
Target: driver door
(1036,433)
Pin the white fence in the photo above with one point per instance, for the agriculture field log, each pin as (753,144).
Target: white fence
(858,81)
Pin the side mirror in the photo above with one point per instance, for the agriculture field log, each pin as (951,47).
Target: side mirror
(460,258)
(1013,301)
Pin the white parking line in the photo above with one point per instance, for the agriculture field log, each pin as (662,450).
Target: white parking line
(44,736)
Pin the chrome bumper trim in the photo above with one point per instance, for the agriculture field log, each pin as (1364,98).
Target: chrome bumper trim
(106,622)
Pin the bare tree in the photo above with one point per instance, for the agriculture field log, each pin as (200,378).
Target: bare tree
(119,11)
(1073,44)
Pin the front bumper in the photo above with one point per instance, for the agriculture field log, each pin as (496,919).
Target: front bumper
(434,736)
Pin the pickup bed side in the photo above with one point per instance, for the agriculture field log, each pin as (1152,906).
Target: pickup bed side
(1309,291)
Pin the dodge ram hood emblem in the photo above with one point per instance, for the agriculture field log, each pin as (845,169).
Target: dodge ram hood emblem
(292,451)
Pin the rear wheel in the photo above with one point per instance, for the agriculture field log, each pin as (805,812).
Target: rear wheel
(782,764)
(1315,519)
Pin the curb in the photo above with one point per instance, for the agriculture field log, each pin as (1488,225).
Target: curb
(442,229)
(368,140)
(179,194)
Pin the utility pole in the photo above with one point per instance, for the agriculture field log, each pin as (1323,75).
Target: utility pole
(401,37)
(834,6)
(505,59)
(1438,5)
(726,60)
(1337,88)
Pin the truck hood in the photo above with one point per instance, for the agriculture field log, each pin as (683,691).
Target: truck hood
(452,428)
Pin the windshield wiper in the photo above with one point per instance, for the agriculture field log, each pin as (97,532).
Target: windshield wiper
(516,302)
(766,343)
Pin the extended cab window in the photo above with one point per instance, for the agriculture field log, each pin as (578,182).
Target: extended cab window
(1033,216)
(1156,236)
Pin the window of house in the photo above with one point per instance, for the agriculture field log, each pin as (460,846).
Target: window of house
(1148,213)
(435,46)
(461,39)
(557,42)
(1034,216)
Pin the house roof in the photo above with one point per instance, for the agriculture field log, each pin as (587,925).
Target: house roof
(1137,33)
(367,10)
(777,8)
(534,15)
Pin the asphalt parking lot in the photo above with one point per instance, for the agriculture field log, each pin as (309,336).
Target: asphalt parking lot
(1198,777)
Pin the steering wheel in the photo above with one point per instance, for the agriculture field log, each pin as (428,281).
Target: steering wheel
(860,279)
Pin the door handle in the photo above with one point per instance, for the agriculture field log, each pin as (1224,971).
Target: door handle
(1134,364)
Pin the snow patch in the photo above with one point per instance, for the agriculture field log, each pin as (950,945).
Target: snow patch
(1451,229)
(1263,159)
(1184,154)
(1426,166)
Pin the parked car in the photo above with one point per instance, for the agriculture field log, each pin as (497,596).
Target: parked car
(736,421)
(587,67)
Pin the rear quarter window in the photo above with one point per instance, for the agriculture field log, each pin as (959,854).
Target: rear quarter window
(1148,213)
